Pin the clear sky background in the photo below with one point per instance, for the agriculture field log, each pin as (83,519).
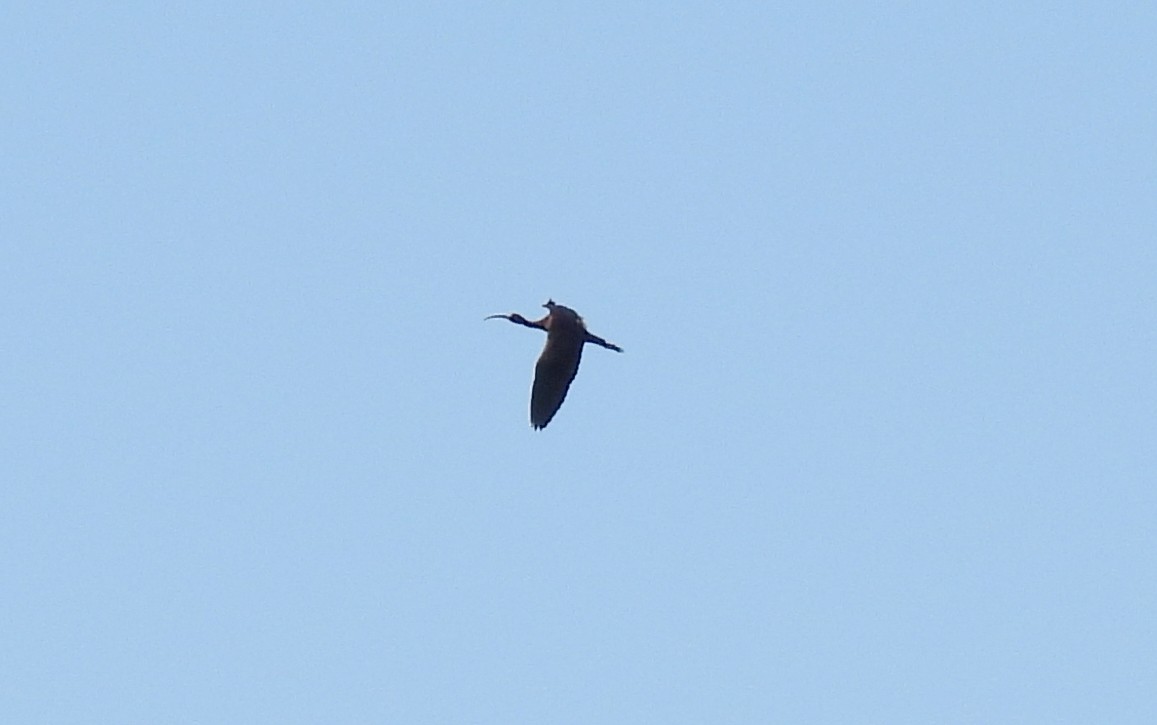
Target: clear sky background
(881,447)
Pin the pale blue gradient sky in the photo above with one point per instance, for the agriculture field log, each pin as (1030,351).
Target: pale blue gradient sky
(881,448)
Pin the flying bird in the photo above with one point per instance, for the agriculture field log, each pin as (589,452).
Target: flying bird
(566,333)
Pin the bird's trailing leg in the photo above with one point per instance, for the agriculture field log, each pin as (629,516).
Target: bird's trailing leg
(591,337)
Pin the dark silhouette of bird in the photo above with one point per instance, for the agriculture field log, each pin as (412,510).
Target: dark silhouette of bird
(566,334)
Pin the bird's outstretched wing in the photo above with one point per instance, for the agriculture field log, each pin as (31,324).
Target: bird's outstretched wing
(553,373)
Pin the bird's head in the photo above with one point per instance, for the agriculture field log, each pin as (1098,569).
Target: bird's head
(513,317)
(550,305)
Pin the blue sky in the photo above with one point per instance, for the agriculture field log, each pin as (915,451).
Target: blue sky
(880,449)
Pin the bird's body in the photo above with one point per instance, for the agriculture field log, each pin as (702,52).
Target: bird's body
(566,334)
